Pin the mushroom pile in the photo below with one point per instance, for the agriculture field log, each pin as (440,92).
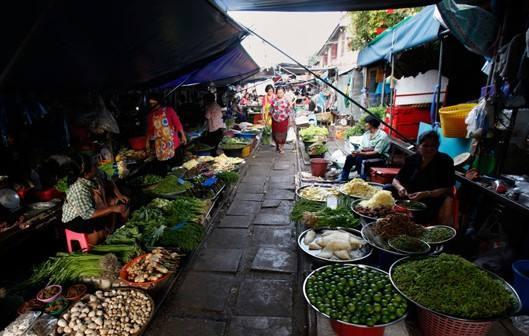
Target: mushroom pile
(113,312)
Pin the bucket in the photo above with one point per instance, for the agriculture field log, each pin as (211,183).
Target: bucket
(520,269)
(318,167)
(342,329)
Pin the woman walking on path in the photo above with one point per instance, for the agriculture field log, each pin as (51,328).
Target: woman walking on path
(280,112)
(267,101)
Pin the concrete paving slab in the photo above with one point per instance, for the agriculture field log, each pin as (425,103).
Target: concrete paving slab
(249,197)
(260,326)
(203,291)
(228,238)
(235,222)
(271,219)
(244,208)
(274,260)
(253,188)
(265,298)
(270,203)
(218,260)
(175,326)
(280,194)
(276,237)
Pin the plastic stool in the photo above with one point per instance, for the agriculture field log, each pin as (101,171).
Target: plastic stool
(81,238)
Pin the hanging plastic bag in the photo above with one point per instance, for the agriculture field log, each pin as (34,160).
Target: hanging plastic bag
(104,121)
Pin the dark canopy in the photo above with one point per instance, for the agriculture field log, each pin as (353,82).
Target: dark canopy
(49,45)
(233,65)
(317,5)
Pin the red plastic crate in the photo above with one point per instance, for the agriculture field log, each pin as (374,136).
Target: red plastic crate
(408,114)
(410,131)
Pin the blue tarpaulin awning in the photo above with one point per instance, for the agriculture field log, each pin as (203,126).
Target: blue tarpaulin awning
(317,5)
(409,33)
(232,66)
(58,45)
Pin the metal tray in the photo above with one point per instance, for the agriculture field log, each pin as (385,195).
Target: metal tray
(517,306)
(382,245)
(298,191)
(366,250)
(377,185)
(347,323)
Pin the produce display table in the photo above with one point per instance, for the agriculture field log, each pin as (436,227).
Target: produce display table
(34,222)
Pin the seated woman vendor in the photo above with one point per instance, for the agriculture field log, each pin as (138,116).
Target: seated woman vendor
(87,208)
(428,177)
(375,144)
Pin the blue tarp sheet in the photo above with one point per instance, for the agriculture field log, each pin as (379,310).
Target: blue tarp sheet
(409,33)
(233,65)
(317,5)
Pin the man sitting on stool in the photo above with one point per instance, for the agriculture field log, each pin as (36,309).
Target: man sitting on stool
(374,145)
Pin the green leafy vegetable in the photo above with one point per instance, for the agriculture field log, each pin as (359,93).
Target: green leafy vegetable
(358,128)
(228,177)
(317,214)
(452,285)
(62,185)
(317,148)
(437,234)
(146,180)
(313,133)
(124,252)
(171,185)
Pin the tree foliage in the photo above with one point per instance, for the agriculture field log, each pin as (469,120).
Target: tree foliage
(364,24)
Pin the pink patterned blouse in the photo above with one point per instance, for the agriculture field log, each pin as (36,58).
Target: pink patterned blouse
(280,109)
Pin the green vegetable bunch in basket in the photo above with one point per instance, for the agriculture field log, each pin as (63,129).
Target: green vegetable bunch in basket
(314,133)
(234,143)
(317,148)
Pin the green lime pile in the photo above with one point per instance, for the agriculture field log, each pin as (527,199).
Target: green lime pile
(355,295)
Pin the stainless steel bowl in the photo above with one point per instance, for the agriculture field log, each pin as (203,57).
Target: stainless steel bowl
(377,185)
(347,323)
(366,250)
(379,243)
(433,227)
(517,305)
(300,189)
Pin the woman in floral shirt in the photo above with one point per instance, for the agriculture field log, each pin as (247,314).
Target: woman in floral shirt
(280,112)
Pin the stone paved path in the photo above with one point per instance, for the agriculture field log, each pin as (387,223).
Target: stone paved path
(243,281)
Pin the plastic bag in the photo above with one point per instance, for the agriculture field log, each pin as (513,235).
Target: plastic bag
(291,135)
(22,323)
(104,120)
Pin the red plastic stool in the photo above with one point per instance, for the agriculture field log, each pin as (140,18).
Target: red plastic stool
(81,238)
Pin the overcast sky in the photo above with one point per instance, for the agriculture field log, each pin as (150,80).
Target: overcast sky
(300,35)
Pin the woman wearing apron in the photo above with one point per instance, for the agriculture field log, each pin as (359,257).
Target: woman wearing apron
(87,209)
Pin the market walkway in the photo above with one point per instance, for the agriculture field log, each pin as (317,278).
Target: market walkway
(244,278)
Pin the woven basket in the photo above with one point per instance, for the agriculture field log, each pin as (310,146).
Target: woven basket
(437,325)
(453,120)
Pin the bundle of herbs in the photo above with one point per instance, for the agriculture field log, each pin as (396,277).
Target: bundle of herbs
(318,215)
(451,285)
